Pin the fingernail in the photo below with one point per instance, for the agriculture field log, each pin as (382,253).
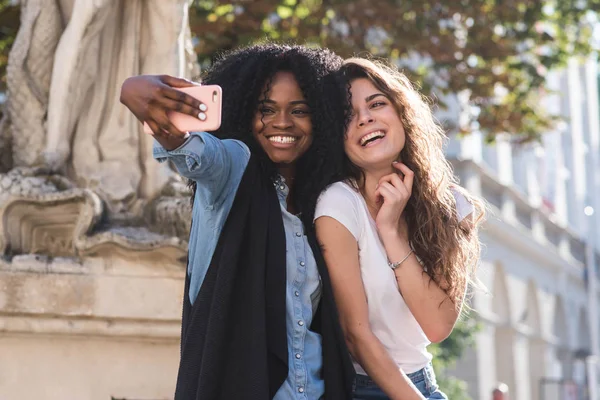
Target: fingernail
(201,116)
(203,107)
(376,186)
(395,162)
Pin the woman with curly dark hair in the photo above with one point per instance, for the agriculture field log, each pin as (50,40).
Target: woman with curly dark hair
(399,235)
(259,319)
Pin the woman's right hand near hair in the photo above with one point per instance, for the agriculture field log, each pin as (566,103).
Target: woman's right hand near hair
(150,97)
(394,190)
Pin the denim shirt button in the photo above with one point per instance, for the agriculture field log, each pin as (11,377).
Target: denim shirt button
(302,264)
(301,323)
(301,389)
(297,293)
(298,234)
(298,356)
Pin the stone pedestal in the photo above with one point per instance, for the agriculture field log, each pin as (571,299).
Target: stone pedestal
(93,329)
(92,229)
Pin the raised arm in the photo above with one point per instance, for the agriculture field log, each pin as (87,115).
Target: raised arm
(150,97)
(209,161)
(426,299)
(198,156)
(340,250)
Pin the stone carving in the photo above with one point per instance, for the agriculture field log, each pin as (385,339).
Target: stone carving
(43,213)
(171,213)
(105,42)
(76,172)
(28,83)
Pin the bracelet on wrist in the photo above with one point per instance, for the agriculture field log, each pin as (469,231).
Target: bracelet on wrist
(394,265)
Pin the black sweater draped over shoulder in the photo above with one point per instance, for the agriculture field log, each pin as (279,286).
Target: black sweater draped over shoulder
(233,338)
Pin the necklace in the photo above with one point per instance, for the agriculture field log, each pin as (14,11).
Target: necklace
(373,210)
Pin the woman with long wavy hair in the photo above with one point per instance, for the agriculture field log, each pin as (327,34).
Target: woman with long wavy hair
(398,234)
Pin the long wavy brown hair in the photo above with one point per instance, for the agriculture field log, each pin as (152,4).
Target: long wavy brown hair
(448,250)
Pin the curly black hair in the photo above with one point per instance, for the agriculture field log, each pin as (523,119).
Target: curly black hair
(244,74)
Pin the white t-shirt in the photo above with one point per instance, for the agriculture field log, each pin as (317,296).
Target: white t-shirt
(389,316)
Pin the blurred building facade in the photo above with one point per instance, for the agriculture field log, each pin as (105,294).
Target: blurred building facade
(539,315)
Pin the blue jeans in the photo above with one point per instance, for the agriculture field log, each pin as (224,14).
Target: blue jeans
(365,389)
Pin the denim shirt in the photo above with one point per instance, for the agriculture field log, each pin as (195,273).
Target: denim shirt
(218,166)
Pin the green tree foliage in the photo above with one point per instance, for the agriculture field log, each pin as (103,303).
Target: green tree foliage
(497,52)
(9,24)
(446,353)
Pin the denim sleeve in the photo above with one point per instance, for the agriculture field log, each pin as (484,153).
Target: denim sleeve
(207,160)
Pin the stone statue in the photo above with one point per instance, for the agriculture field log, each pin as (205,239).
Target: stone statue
(105,42)
(92,233)
(73,75)
(28,82)
(66,137)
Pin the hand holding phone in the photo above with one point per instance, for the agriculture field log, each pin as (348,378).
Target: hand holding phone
(209,116)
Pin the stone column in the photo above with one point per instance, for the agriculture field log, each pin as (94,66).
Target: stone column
(505,358)
(522,368)
(541,364)
(486,361)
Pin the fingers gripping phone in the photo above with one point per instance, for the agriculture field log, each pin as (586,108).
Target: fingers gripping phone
(212,97)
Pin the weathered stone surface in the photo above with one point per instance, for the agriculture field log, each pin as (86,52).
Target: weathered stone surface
(64,75)
(92,229)
(171,213)
(28,80)
(89,329)
(44,214)
(76,154)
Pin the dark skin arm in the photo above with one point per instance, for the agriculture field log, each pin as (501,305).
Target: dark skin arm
(150,97)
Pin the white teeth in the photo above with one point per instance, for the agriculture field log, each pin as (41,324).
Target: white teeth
(283,139)
(370,136)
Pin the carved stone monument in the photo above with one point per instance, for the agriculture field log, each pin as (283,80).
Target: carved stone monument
(92,229)
(70,150)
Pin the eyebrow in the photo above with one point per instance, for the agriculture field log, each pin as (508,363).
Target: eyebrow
(371,97)
(291,102)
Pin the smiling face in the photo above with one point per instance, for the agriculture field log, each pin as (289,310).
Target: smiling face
(375,134)
(282,124)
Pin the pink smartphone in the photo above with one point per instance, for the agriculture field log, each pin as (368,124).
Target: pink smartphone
(211,96)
